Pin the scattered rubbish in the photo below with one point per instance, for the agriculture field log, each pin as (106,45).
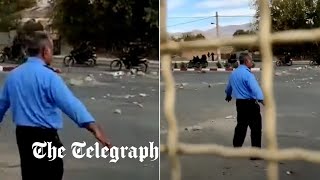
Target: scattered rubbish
(298,86)
(108,95)
(278,74)
(138,104)
(93,98)
(181,87)
(193,128)
(153,90)
(140,73)
(89,78)
(142,95)
(133,71)
(230,117)
(119,73)
(75,82)
(117,111)
(154,73)
(129,96)
(104,96)
(289,172)
(123,87)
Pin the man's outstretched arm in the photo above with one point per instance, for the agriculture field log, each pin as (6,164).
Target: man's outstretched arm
(75,109)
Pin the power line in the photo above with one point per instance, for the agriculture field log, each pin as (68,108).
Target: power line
(195,17)
(190,22)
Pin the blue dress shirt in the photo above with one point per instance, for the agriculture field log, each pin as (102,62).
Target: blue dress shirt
(35,94)
(243,85)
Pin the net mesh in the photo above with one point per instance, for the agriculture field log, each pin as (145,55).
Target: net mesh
(264,38)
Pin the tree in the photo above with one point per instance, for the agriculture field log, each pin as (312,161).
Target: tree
(107,23)
(188,37)
(287,15)
(240,32)
(9,12)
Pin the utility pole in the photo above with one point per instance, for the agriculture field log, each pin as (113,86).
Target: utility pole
(217,34)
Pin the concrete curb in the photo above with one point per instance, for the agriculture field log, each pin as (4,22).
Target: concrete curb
(212,70)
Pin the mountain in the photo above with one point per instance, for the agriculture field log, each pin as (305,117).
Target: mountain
(225,31)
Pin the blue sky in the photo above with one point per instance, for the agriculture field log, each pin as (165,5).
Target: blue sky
(203,9)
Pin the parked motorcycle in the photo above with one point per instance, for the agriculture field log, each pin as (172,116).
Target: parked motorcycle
(79,56)
(7,54)
(196,62)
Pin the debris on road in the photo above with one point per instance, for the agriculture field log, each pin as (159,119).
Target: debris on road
(117,111)
(142,94)
(138,104)
(193,128)
(140,73)
(89,78)
(230,117)
(75,82)
(93,98)
(155,73)
(289,172)
(119,73)
(129,96)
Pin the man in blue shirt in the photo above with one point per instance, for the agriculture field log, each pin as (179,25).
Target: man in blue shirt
(245,88)
(35,94)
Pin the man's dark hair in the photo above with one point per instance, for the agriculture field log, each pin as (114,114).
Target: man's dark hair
(36,41)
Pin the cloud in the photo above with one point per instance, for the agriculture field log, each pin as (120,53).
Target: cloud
(174,4)
(221,4)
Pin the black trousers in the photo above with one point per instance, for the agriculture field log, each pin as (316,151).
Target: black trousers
(31,167)
(248,115)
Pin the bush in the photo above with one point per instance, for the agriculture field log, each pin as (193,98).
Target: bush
(235,65)
(227,65)
(219,65)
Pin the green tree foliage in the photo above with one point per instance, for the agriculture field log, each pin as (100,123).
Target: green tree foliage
(188,37)
(107,23)
(240,32)
(288,15)
(9,10)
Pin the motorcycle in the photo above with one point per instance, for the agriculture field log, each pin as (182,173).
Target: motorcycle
(314,61)
(6,54)
(129,63)
(197,63)
(281,62)
(76,56)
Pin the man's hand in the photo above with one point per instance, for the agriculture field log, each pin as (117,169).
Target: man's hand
(261,101)
(228,98)
(98,133)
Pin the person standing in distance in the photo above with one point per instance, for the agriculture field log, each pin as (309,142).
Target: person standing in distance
(35,94)
(245,88)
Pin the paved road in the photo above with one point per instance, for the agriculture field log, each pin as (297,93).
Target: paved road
(296,92)
(135,126)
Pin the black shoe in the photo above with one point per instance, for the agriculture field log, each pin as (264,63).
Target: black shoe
(255,159)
